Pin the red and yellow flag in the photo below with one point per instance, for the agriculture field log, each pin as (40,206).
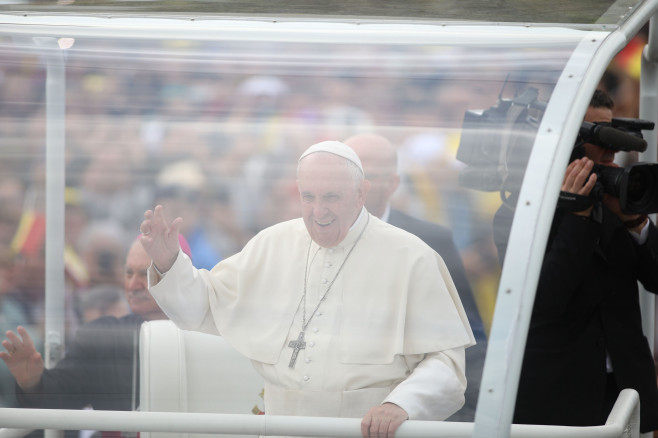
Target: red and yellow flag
(30,235)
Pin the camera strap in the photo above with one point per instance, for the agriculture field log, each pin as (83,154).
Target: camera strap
(572,202)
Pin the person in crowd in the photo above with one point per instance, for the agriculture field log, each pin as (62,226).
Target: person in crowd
(108,189)
(103,300)
(100,365)
(379,159)
(102,247)
(11,315)
(12,192)
(585,342)
(181,186)
(342,314)
(96,263)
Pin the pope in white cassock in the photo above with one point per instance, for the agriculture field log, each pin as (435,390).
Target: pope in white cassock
(341,313)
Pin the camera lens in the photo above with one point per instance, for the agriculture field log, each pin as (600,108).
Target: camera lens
(639,189)
(637,182)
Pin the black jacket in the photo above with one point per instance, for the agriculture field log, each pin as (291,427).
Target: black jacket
(99,369)
(587,304)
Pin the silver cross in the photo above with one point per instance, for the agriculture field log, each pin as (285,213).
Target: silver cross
(297,345)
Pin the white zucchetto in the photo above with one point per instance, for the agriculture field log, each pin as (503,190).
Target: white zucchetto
(336,148)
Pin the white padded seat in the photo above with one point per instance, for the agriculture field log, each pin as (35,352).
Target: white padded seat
(186,371)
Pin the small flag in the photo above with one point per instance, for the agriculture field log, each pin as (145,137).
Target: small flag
(30,235)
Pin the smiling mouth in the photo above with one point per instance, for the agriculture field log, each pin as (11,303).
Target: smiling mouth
(325,224)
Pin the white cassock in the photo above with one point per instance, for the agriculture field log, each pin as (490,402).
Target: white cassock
(391,328)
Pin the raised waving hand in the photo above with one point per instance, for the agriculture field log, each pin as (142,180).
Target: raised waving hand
(160,238)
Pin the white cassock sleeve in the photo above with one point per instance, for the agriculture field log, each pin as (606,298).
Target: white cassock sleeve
(435,388)
(180,293)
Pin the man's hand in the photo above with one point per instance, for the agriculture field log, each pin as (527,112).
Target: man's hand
(578,180)
(636,221)
(160,238)
(383,421)
(22,359)
(613,204)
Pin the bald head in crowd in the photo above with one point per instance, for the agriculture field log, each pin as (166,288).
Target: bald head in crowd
(379,159)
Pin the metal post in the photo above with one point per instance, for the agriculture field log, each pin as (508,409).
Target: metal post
(649,111)
(55,294)
(55,185)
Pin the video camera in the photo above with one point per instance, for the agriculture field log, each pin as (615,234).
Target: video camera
(496,144)
(636,186)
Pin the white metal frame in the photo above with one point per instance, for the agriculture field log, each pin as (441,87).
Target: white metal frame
(531,226)
(537,202)
(623,422)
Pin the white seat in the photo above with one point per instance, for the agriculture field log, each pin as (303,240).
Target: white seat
(185,371)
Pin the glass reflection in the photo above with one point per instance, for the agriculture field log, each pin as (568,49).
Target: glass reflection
(212,130)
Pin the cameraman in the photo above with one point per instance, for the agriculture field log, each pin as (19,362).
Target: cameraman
(585,342)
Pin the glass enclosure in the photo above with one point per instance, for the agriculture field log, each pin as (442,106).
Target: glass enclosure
(212,127)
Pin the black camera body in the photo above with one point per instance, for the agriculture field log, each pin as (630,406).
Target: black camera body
(496,144)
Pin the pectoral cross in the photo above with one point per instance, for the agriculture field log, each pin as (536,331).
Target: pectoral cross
(297,345)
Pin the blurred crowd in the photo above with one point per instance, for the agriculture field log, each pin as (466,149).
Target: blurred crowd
(213,132)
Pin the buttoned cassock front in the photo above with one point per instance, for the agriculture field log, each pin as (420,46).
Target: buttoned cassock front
(391,328)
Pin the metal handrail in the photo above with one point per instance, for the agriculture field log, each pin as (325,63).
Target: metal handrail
(623,421)
(15,433)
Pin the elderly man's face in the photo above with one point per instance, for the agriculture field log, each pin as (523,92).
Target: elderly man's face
(331,198)
(136,286)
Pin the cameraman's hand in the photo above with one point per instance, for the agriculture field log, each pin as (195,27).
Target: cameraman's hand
(580,180)
(613,204)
